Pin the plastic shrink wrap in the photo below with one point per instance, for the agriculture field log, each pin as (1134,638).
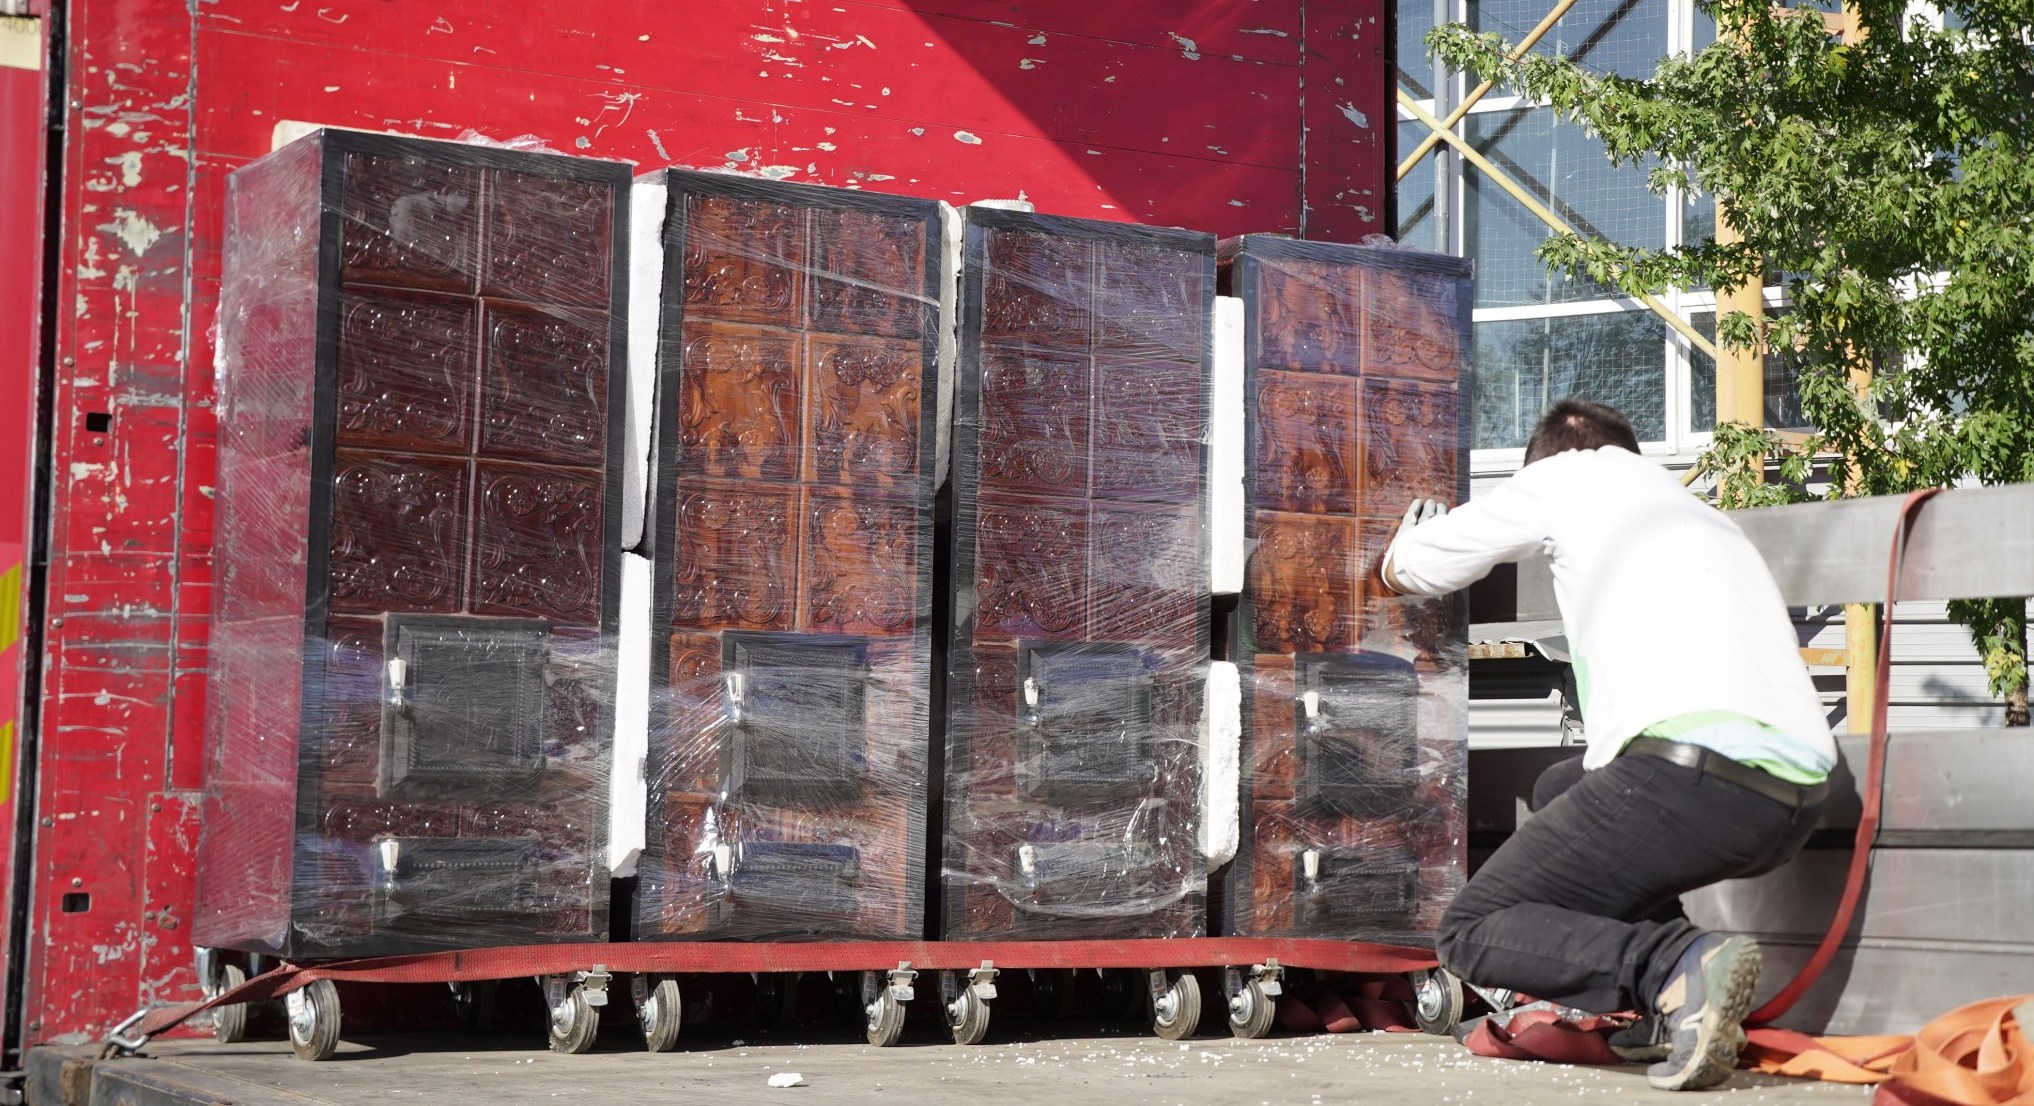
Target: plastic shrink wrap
(1354,703)
(793,531)
(1078,652)
(411,682)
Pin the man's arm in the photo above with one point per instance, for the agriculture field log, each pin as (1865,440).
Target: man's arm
(1435,553)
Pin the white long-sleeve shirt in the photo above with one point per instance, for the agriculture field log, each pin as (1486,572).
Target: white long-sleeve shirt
(1669,609)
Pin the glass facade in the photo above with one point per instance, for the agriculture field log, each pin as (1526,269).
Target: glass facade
(1544,336)
(1524,364)
(1565,168)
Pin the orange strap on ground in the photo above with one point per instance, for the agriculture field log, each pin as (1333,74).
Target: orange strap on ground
(1975,1055)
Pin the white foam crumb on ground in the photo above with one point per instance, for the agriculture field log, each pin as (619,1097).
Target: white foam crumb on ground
(1077,1063)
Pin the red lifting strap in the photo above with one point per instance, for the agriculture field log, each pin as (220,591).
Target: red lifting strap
(514,961)
(1873,784)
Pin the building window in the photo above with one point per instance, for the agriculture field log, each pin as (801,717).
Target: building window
(1612,356)
(1541,336)
(1566,169)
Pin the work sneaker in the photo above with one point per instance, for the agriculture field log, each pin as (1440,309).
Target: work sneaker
(1706,998)
(1641,1042)
(1645,1041)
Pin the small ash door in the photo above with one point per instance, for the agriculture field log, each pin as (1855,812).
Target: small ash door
(463,704)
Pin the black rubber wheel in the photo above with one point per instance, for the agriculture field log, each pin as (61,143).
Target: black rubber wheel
(772,999)
(1437,1001)
(229,1023)
(967,1015)
(314,1020)
(1125,995)
(1048,993)
(574,1023)
(661,1014)
(473,1004)
(1177,1014)
(883,1015)
(1251,1011)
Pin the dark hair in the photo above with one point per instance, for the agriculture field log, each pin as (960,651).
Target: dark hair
(1579,424)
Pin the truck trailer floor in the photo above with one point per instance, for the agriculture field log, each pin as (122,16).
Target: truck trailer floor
(1081,1065)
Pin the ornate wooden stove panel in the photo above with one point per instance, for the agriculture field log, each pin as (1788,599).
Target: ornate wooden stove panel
(412,681)
(1354,704)
(1079,647)
(793,539)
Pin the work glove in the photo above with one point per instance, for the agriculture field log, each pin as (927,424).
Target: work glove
(1420,510)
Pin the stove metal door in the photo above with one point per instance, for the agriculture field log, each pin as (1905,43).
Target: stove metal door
(1091,873)
(1085,714)
(797,716)
(1356,717)
(779,878)
(464,704)
(1350,886)
(438,886)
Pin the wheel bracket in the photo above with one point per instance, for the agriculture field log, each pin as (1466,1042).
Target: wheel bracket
(983,980)
(1268,976)
(900,979)
(593,984)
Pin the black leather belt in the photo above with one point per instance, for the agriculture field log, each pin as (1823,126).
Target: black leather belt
(1709,762)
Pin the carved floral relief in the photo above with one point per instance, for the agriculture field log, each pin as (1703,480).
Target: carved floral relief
(406,371)
(738,409)
(865,412)
(398,532)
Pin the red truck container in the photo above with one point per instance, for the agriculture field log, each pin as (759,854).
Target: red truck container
(119,126)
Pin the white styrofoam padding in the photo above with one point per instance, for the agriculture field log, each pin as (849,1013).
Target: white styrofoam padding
(627,787)
(647,201)
(1221,763)
(951,238)
(1225,451)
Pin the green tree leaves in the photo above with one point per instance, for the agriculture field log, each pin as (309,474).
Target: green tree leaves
(1888,184)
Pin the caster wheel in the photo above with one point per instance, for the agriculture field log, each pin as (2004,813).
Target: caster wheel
(574,1023)
(659,1010)
(882,1014)
(473,1004)
(229,1023)
(772,1000)
(1177,1013)
(967,1014)
(1048,993)
(1437,1000)
(314,1020)
(1251,1011)
(1124,996)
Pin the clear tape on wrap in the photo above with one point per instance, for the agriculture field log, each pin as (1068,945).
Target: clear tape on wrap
(417,549)
(1078,654)
(800,383)
(1354,702)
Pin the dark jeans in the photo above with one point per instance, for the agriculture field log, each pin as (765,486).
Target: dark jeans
(1566,909)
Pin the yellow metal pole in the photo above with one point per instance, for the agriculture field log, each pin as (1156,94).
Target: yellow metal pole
(1860,620)
(1531,39)
(1474,157)
(1861,654)
(1740,373)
